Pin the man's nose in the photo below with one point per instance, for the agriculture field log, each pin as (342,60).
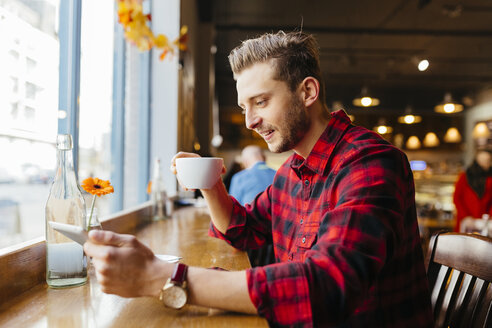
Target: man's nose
(252,120)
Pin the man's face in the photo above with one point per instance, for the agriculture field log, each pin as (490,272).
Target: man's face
(271,109)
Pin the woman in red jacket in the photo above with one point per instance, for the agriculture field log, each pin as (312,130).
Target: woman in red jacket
(473,190)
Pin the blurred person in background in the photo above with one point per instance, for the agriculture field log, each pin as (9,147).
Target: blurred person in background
(231,171)
(246,185)
(473,189)
(255,177)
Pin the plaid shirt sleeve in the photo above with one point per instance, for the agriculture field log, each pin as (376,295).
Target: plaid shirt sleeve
(258,217)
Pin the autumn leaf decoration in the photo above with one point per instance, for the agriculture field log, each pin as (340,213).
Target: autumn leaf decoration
(137,31)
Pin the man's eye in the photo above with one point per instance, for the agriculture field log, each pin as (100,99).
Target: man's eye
(260,102)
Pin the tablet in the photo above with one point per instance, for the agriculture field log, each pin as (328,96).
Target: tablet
(73,232)
(80,236)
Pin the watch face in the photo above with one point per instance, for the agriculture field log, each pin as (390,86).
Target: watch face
(174,297)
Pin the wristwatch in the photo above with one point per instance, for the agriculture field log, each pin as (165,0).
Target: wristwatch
(174,294)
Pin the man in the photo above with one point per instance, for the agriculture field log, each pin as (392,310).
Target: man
(255,178)
(341,212)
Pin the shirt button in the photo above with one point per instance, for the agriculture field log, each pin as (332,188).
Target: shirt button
(303,240)
(306,182)
(302,221)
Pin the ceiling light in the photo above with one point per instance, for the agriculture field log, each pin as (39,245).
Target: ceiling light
(480,131)
(452,135)
(382,128)
(431,140)
(413,142)
(448,106)
(409,118)
(365,100)
(423,65)
(217,140)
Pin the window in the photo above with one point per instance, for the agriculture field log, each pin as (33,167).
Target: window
(119,127)
(14,55)
(14,110)
(31,91)
(14,85)
(29,113)
(31,65)
(27,29)
(96,89)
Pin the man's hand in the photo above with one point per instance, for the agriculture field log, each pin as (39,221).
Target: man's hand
(124,266)
(181,154)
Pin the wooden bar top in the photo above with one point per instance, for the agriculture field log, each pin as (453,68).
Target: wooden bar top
(185,235)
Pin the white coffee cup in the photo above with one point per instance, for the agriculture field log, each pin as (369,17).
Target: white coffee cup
(199,172)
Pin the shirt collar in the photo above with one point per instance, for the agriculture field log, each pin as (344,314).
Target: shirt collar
(258,164)
(319,156)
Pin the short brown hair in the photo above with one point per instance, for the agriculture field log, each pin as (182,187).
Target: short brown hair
(295,56)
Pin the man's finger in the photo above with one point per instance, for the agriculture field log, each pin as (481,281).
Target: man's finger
(181,154)
(109,238)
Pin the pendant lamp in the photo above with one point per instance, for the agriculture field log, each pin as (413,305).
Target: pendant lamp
(413,143)
(480,131)
(452,135)
(431,140)
(408,117)
(448,105)
(365,100)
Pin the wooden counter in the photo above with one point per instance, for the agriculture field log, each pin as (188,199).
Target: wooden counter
(185,234)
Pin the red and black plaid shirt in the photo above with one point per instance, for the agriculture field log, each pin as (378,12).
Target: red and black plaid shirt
(344,229)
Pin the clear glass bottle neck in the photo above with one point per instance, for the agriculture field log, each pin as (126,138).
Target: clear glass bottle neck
(64,165)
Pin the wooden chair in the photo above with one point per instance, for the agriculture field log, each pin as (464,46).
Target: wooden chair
(459,268)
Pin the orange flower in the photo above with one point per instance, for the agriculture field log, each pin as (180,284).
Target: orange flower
(95,186)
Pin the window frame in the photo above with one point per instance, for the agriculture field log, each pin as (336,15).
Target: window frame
(70,18)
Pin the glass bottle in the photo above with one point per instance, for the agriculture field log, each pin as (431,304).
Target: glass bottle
(66,263)
(485,221)
(158,193)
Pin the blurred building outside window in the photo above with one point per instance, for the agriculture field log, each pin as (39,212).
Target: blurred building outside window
(28,119)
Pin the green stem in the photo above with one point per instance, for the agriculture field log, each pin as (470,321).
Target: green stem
(92,210)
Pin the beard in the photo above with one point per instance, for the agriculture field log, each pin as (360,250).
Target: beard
(292,128)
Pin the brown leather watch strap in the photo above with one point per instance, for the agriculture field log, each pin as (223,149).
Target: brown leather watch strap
(179,275)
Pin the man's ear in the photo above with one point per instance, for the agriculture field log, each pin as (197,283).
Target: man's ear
(309,90)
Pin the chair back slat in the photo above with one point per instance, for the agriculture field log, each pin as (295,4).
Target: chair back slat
(451,292)
(480,313)
(459,269)
(487,313)
(438,292)
(459,312)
